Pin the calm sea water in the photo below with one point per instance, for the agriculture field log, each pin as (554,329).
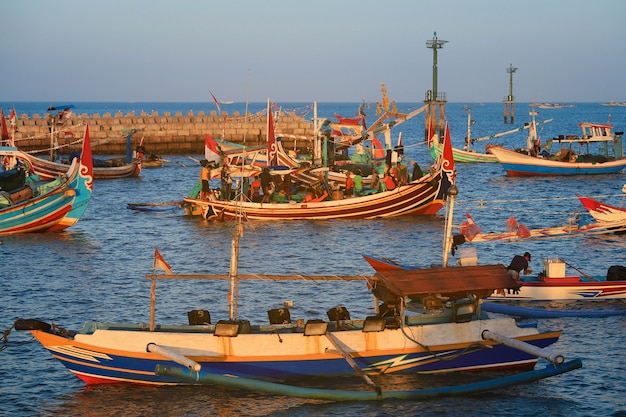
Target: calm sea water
(96,271)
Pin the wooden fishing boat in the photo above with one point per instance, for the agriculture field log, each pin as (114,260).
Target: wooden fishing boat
(551,284)
(53,205)
(130,166)
(468,155)
(603,212)
(422,197)
(568,161)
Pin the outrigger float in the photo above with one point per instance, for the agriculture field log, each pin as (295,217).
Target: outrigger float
(442,330)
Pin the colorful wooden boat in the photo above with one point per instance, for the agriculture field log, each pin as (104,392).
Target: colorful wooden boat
(110,169)
(568,161)
(552,284)
(443,338)
(52,205)
(468,155)
(423,197)
(603,212)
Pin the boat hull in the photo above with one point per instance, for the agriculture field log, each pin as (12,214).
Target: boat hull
(603,212)
(50,170)
(516,164)
(111,356)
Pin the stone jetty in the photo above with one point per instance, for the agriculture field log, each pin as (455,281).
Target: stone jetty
(163,134)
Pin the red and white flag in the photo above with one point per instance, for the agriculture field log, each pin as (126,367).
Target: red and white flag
(272,154)
(211,149)
(159,262)
(13,119)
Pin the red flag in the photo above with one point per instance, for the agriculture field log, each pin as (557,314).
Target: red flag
(13,118)
(211,149)
(159,262)
(217,104)
(5,131)
(378,151)
(448,157)
(86,160)
(272,155)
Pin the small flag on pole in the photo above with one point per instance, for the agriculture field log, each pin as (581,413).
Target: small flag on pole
(217,104)
(159,262)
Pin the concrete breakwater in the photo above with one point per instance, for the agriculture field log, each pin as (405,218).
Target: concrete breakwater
(164,134)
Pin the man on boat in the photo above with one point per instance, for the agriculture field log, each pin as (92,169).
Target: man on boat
(205,174)
(519,263)
(266,184)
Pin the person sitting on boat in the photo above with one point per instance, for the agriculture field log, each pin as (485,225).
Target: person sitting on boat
(403,172)
(358,183)
(287,185)
(255,189)
(417,171)
(375,181)
(519,263)
(205,174)
(389,181)
(349,184)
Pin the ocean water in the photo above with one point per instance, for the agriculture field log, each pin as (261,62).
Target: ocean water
(96,271)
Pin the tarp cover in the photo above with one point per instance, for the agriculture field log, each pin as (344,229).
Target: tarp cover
(452,281)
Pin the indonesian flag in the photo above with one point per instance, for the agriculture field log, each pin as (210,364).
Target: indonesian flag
(159,262)
(272,154)
(13,118)
(211,150)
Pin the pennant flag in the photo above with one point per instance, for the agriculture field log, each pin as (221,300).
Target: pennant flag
(13,118)
(378,151)
(447,165)
(217,104)
(5,130)
(272,154)
(159,262)
(211,149)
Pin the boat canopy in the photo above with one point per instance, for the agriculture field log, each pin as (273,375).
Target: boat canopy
(453,282)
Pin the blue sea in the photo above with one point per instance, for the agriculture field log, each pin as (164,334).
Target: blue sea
(96,271)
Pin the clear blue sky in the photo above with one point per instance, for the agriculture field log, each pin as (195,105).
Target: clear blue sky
(305,51)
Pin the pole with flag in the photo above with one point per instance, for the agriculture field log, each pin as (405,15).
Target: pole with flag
(158,263)
(448,173)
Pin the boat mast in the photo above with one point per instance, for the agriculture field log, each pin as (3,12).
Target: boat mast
(447,242)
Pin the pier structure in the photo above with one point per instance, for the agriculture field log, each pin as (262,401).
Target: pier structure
(163,134)
(435,101)
(509,101)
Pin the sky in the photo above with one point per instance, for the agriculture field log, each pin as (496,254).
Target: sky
(565,51)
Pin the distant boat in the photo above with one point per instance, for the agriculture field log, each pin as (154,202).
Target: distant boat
(609,157)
